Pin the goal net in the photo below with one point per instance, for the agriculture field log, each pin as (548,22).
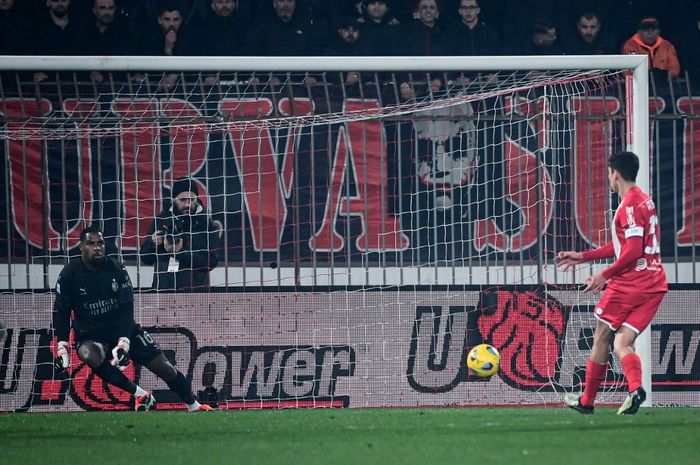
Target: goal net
(365,223)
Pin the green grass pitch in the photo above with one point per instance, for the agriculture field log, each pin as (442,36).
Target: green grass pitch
(480,436)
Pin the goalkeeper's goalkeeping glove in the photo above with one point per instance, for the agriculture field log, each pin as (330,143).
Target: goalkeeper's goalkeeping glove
(120,353)
(62,360)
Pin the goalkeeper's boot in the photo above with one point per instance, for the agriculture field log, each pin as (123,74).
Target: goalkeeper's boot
(632,402)
(145,402)
(204,408)
(573,401)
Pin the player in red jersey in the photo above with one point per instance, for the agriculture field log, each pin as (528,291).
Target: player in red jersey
(636,283)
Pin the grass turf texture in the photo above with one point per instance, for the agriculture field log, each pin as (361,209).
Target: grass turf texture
(426,436)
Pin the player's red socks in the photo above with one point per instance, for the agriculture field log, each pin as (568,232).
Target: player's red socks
(632,366)
(595,374)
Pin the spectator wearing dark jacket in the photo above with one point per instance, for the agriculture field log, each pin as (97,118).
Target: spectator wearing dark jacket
(181,242)
(348,40)
(13,29)
(379,29)
(284,33)
(142,14)
(106,34)
(167,36)
(203,9)
(221,33)
(470,36)
(56,32)
(542,40)
(591,38)
(424,36)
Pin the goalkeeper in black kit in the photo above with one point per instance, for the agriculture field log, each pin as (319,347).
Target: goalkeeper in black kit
(98,291)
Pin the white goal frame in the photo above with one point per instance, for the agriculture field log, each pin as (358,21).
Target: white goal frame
(637,65)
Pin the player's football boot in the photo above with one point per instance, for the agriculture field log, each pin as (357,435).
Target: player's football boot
(145,402)
(632,402)
(573,401)
(204,408)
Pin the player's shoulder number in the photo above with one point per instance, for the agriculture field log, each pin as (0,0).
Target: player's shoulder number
(652,246)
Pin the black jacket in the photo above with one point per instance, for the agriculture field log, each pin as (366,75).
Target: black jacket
(273,37)
(380,39)
(50,39)
(198,257)
(482,40)
(115,40)
(14,33)
(421,40)
(603,45)
(217,36)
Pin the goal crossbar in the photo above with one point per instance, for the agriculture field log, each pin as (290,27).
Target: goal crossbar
(408,63)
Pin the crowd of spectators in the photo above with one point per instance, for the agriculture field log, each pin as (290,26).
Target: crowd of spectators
(355,27)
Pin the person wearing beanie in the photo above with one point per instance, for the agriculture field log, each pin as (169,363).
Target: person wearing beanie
(661,52)
(184,185)
(181,242)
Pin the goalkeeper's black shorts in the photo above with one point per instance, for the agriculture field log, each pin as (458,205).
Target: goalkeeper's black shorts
(143,348)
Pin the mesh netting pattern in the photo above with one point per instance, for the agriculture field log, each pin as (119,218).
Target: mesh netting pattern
(368,229)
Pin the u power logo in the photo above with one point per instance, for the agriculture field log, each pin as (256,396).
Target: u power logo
(436,358)
(527,327)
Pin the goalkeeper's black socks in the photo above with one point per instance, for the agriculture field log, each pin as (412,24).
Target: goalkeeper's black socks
(115,377)
(182,387)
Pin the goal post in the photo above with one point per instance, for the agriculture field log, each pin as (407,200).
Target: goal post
(429,212)
(640,145)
